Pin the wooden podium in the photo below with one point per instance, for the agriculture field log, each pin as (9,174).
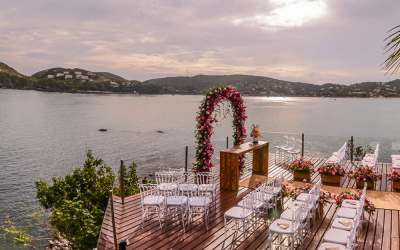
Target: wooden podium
(229,171)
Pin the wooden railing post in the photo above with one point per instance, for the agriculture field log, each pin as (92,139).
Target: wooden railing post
(302,145)
(227,142)
(351,148)
(122,181)
(186,158)
(113,220)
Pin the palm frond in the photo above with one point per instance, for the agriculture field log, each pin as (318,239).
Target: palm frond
(392,63)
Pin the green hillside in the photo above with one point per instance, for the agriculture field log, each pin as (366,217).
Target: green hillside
(10,78)
(97,76)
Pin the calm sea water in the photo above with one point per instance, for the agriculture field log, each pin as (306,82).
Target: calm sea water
(46,134)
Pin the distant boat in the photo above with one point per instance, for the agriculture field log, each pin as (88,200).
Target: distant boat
(103,130)
(159,131)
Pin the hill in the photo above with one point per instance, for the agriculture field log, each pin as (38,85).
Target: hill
(247,84)
(81,80)
(76,73)
(10,78)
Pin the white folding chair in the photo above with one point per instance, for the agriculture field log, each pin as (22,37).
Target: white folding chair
(241,215)
(287,228)
(199,204)
(151,198)
(296,151)
(165,182)
(279,149)
(206,182)
(188,183)
(176,203)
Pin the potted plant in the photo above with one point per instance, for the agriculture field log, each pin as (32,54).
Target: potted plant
(395,178)
(365,174)
(301,169)
(331,173)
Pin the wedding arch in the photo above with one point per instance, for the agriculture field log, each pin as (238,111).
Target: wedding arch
(204,149)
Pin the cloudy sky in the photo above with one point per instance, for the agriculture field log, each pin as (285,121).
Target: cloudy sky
(313,41)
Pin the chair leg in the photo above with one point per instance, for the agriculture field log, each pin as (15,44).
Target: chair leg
(159,216)
(244,229)
(225,225)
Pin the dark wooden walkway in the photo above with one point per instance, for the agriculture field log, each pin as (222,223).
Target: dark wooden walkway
(381,231)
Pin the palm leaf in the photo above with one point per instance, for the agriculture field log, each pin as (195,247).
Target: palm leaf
(392,63)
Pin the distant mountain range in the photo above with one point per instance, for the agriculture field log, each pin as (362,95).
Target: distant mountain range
(81,80)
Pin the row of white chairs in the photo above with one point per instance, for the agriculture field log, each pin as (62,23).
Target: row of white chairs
(289,150)
(181,194)
(253,207)
(347,226)
(338,157)
(371,160)
(295,220)
(396,162)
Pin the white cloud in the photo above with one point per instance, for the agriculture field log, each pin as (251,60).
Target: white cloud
(300,40)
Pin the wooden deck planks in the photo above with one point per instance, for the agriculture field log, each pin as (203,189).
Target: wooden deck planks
(381,231)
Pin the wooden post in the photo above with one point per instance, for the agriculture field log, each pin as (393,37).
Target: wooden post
(113,220)
(351,148)
(302,145)
(227,142)
(186,158)
(122,181)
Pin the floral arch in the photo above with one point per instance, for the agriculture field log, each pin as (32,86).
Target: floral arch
(204,149)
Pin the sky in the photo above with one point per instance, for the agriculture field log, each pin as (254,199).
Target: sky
(314,41)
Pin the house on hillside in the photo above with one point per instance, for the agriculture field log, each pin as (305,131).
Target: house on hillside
(66,72)
(59,74)
(51,76)
(82,77)
(114,84)
(78,73)
(90,73)
(68,76)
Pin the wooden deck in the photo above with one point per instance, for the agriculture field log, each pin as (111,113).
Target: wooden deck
(381,231)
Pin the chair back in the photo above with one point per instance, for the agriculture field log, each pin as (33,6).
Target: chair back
(269,186)
(177,173)
(164,177)
(188,178)
(278,182)
(292,143)
(306,207)
(286,139)
(351,238)
(204,178)
(296,222)
(248,203)
(317,190)
(148,190)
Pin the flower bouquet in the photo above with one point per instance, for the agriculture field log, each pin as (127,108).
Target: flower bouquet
(255,132)
(368,206)
(331,173)
(395,178)
(301,169)
(365,174)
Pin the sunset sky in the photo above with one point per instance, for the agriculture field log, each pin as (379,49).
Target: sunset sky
(315,41)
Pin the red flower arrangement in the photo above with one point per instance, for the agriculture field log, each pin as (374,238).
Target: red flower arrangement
(301,166)
(331,169)
(365,173)
(369,207)
(394,175)
(204,149)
